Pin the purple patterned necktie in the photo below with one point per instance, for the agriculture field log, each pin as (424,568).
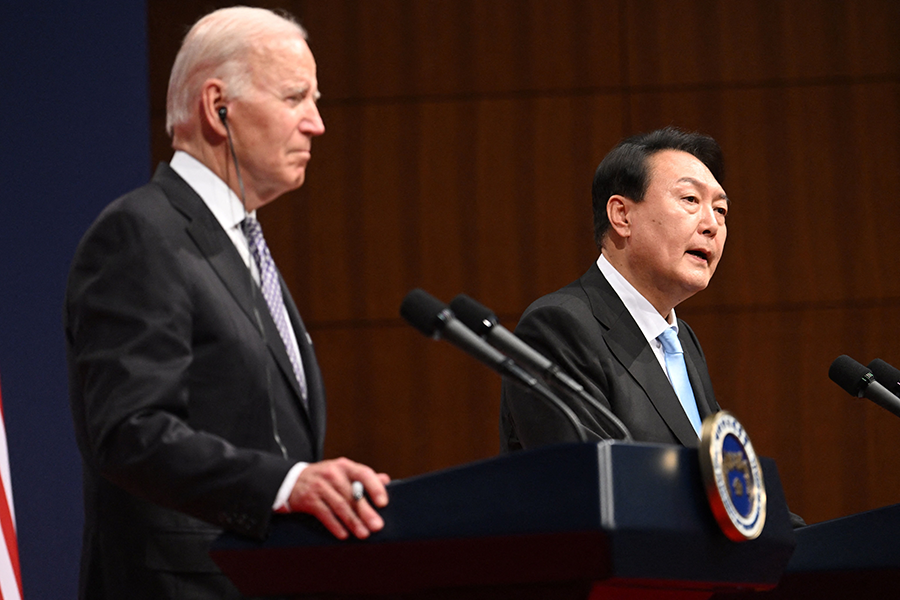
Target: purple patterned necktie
(271,289)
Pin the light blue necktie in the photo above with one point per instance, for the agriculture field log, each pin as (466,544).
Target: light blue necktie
(678,375)
(271,289)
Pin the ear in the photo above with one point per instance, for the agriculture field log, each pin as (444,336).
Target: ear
(618,210)
(212,98)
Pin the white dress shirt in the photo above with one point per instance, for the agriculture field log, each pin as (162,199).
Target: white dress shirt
(648,319)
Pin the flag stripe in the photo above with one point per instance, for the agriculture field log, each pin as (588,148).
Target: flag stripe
(9,585)
(11,554)
(4,462)
(10,573)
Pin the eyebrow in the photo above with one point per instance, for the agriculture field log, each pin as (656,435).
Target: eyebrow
(301,89)
(698,183)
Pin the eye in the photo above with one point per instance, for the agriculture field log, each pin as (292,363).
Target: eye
(299,95)
(722,210)
(691,199)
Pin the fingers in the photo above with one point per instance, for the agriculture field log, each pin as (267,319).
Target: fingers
(357,490)
(325,490)
(373,483)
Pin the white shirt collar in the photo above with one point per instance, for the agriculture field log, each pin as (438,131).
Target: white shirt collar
(216,194)
(648,319)
(220,199)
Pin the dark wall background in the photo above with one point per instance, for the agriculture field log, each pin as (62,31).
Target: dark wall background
(74,135)
(461,142)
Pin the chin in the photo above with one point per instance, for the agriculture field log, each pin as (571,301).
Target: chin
(692,285)
(698,286)
(292,184)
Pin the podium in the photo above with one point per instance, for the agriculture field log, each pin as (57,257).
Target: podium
(851,557)
(573,521)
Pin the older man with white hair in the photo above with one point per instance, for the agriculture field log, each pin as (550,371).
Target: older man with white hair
(197,400)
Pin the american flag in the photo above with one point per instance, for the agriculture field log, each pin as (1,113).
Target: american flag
(10,577)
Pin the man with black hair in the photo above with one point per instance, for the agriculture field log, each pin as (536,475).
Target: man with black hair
(659,222)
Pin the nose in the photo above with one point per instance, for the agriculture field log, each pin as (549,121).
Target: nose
(709,221)
(312,124)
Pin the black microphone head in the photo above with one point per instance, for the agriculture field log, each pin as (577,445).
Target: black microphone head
(850,375)
(223,113)
(887,375)
(424,312)
(473,314)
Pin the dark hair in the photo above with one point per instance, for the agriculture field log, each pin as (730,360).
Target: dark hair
(624,170)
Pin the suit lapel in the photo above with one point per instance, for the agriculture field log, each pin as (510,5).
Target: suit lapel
(222,256)
(628,344)
(705,403)
(315,388)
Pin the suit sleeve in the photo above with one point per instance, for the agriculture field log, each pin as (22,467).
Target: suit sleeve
(559,332)
(131,343)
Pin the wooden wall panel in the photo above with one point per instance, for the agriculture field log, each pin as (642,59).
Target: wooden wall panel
(461,139)
(404,403)
(442,204)
(389,49)
(757,42)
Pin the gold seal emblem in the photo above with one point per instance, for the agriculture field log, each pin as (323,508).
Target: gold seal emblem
(732,477)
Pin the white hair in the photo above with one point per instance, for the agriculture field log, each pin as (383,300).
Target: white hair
(219,45)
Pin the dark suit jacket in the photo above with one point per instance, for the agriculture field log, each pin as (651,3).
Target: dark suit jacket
(586,330)
(178,384)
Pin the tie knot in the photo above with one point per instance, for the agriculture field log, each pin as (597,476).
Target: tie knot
(251,228)
(670,342)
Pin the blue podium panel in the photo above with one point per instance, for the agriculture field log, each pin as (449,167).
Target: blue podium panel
(567,521)
(868,541)
(848,558)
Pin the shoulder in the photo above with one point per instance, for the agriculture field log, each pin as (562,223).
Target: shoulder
(564,304)
(562,319)
(137,207)
(136,239)
(587,300)
(147,215)
(689,338)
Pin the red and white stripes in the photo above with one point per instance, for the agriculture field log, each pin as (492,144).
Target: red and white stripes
(10,577)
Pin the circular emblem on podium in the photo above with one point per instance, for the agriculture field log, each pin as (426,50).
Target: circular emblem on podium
(733,477)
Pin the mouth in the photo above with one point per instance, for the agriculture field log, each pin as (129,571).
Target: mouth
(701,254)
(300,156)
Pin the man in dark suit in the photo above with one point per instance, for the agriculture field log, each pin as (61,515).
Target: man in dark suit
(659,222)
(197,400)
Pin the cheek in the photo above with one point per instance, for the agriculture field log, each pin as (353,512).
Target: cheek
(721,236)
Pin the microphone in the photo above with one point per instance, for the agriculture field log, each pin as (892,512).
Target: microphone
(887,375)
(858,381)
(435,319)
(482,321)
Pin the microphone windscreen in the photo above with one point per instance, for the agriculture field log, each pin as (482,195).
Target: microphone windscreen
(849,374)
(423,311)
(473,314)
(886,374)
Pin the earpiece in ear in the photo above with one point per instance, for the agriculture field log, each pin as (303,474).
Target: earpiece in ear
(223,113)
